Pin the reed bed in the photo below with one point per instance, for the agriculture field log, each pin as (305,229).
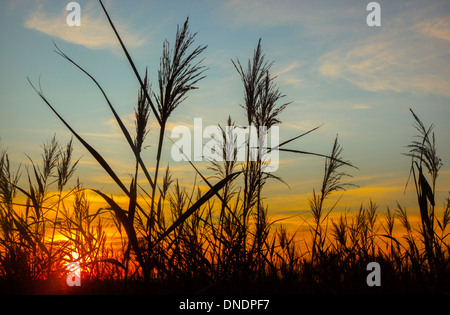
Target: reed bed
(169,239)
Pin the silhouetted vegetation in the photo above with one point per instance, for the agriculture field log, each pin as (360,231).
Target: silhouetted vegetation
(221,240)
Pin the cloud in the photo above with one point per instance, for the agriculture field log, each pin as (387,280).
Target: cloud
(287,68)
(287,75)
(94,32)
(360,106)
(408,53)
(255,14)
(100,135)
(303,125)
(436,27)
(401,57)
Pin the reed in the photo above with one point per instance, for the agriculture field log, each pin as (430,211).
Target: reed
(168,238)
(178,74)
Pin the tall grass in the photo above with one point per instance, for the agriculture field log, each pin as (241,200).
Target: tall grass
(39,237)
(222,238)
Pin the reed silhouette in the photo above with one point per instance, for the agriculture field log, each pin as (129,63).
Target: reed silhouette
(222,240)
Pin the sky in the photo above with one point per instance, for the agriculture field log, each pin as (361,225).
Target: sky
(357,81)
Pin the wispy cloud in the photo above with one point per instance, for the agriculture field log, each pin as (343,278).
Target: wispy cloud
(94,32)
(401,57)
(303,125)
(287,75)
(274,13)
(408,53)
(360,106)
(438,27)
(100,135)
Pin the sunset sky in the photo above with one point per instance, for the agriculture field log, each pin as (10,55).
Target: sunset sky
(358,81)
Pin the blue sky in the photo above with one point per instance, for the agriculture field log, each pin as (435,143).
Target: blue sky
(358,81)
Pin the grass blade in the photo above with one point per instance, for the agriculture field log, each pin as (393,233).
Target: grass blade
(198,204)
(295,138)
(206,181)
(317,154)
(132,64)
(91,150)
(128,225)
(116,116)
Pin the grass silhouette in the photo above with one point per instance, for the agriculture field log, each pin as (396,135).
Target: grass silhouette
(223,240)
